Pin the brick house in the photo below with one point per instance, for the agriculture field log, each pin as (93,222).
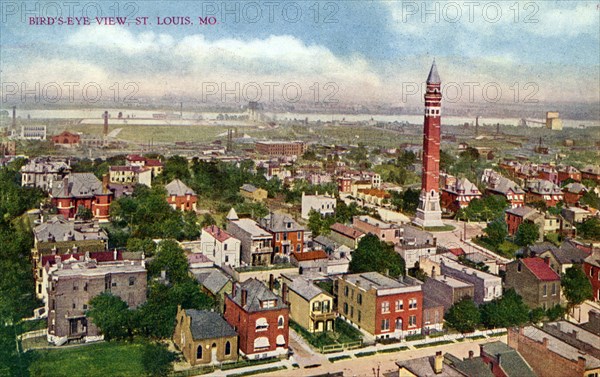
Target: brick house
(384,231)
(261,319)
(550,356)
(504,361)
(381,306)
(591,267)
(181,196)
(288,235)
(346,235)
(82,189)
(541,190)
(573,192)
(66,139)
(496,184)
(591,172)
(516,216)
(447,290)
(204,337)
(486,287)
(72,285)
(568,172)
(256,243)
(535,281)
(280,148)
(458,193)
(220,247)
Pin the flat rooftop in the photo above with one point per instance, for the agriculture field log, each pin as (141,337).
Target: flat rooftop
(251,227)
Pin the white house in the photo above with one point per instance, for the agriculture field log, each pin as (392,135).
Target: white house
(220,247)
(324,204)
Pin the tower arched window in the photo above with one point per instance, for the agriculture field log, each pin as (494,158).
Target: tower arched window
(280,322)
(227,348)
(199,352)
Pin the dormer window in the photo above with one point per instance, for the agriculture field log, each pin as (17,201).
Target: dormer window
(267,304)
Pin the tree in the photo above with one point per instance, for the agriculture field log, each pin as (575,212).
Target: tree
(146,246)
(463,316)
(555,312)
(576,286)
(84,213)
(375,255)
(315,222)
(527,234)
(590,229)
(410,200)
(171,258)
(111,315)
(497,232)
(509,310)
(157,360)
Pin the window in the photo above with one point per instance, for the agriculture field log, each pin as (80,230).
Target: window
(85,286)
(412,321)
(280,341)
(412,303)
(225,247)
(399,305)
(84,306)
(385,307)
(277,237)
(352,311)
(553,289)
(385,324)
(359,299)
(285,236)
(75,287)
(299,235)
(298,246)
(325,307)
(261,324)
(545,290)
(199,352)
(345,308)
(359,316)
(346,291)
(261,343)
(398,324)
(280,322)
(227,348)
(519,267)
(131,280)
(316,306)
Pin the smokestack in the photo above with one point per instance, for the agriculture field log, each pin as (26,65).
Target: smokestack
(438,362)
(244,297)
(106,128)
(105,180)
(14,120)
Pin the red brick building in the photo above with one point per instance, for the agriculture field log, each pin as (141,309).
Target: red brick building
(382,306)
(181,196)
(280,148)
(591,172)
(67,139)
(573,192)
(82,189)
(288,235)
(568,172)
(591,267)
(515,216)
(541,190)
(458,193)
(344,184)
(260,317)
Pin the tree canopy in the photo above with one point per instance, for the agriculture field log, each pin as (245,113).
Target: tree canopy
(375,255)
(590,229)
(527,234)
(463,316)
(112,315)
(576,286)
(496,231)
(509,310)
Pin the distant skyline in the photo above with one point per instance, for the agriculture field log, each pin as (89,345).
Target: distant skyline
(373,51)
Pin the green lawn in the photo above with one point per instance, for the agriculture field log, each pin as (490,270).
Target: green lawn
(99,359)
(344,333)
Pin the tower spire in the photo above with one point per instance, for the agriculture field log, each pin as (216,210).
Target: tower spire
(434,77)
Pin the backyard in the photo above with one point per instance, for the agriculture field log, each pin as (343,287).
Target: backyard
(343,333)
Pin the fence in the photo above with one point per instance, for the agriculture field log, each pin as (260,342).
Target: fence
(341,347)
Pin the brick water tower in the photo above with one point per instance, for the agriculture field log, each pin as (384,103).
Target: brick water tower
(429,212)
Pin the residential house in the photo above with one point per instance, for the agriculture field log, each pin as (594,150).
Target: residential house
(496,184)
(442,365)
(130,175)
(591,172)
(215,283)
(560,258)
(541,190)
(516,216)
(256,244)
(384,231)
(591,267)
(199,261)
(81,190)
(346,235)
(310,261)
(72,285)
(253,193)
(487,287)
(261,319)
(136,160)
(180,196)
(447,290)
(204,337)
(458,193)
(433,315)
(323,204)
(381,306)
(504,361)
(42,171)
(575,335)
(573,192)
(575,215)
(548,355)
(376,197)
(413,244)
(220,247)
(288,235)
(568,172)
(535,281)
(310,306)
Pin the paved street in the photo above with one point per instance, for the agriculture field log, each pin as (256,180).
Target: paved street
(303,354)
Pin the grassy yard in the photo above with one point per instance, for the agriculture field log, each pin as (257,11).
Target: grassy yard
(343,333)
(506,249)
(100,359)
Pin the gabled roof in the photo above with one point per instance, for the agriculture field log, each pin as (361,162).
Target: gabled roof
(511,361)
(594,258)
(310,255)
(217,233)
(575,188)
(178,188)
(257,291)
(540,269)
(305,289)
(248,187)
(523,211)
(208,325)
(212,279)
(278,222)
(346,230)
(77,185)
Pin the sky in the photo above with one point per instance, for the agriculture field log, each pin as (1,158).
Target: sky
(350,51)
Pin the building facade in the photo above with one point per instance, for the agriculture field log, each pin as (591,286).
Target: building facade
(256,244)
(535,281)
(288,235)
(280,148)
(82,190)
(220,247)
(323,204)
(180,196)
(41,172)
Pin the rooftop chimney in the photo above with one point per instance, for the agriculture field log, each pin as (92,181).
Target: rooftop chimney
(271,282)
(545,342)
(433,272)
(471,353)
(284,289)
(438,363)
(244,297)
(547,260)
